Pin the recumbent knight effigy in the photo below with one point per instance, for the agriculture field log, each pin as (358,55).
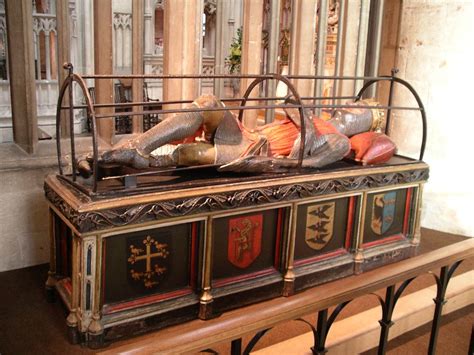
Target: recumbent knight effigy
(200,215)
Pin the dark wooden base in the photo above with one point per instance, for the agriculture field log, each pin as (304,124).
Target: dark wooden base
(50,294)
(73,335)
(158,321)
(96,341)
(206,311)
(288,288)
(386,254)
(324,271)
(238,295)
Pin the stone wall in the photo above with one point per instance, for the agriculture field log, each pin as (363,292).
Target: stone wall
(431,46)
(24,235)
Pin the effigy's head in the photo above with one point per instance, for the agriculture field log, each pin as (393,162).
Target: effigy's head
(358,118)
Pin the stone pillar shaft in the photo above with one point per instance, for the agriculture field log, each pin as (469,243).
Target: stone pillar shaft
(103,64)
(64,53)
(182,48)
(303,43)
(137,61)
(251,51)
(222,46)
(22,73)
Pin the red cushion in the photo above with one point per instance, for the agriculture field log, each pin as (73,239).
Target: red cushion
(372,147)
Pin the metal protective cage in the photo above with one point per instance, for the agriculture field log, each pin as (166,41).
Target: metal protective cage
(311,102)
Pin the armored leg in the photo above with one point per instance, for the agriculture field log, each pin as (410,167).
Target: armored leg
(189,154)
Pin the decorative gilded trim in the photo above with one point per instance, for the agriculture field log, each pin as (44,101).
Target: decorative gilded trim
(116,217)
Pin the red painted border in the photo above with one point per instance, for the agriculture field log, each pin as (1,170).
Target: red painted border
(314,259)
(391,239)
(192,268)
(407,210)
(103,272)
(278,239)
(67,285)
(65,257)
(350,222)
(108,309)
(233,279)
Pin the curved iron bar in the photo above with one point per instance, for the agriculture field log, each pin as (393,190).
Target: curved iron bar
(313,329)
(90,112)
(324,326)
(62,90)
(71,124)
(442,282)
(396,295)
(402,288)
(336,312)
(445,275)
(72,77)
(415,95)
(254,341)
(388,306)
(453,269)
(297,99)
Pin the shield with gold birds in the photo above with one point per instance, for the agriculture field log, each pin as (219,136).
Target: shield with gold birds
(319,225)
(244,240)
(383,212)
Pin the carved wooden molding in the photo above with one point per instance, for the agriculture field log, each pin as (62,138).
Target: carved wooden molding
(116,217)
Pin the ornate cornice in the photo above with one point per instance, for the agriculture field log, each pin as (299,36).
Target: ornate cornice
(116,217)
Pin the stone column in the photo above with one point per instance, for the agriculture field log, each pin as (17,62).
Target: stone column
(149,33)
(149,27)
(103,64)
(272,56)
(222,46)
(251,51)
(303,43)
(86,31)
(321,48)
(137,61)
(182,48)
(351,61)
(64,53)
(389,45)
(22,73)
(362,43)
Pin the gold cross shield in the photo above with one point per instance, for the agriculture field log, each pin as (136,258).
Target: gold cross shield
(319,225)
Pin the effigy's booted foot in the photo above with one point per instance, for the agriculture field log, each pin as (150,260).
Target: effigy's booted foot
(162,161)
(126,156)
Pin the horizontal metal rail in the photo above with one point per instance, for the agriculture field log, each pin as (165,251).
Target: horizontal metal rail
(158,103)
(226,76)
(256,107)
